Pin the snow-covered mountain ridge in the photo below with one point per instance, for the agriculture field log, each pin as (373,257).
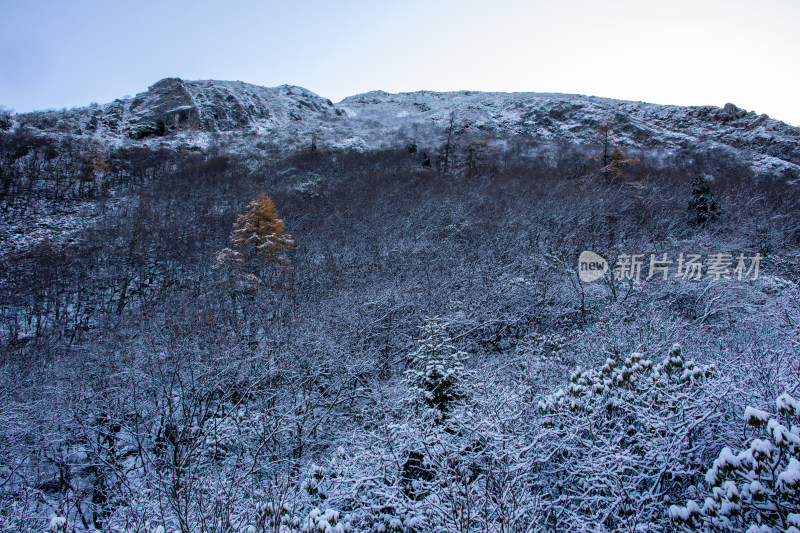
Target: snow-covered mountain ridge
(178,112)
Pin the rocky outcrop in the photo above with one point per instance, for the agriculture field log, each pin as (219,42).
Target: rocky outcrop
(165,107)
(174,105)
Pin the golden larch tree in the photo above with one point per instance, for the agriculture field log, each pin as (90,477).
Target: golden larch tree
(614,162)
(258,234)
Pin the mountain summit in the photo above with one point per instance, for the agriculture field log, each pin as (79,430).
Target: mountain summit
(175,111)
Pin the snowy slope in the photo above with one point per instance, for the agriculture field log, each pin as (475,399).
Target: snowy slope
(769,144)
(178,112)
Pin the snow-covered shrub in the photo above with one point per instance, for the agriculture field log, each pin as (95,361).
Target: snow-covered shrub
(314,484)
(280,519)
(471,471)
(623,439)
(272,516)
(297,507)
(477,476)
(541,363)
(328,521)
(58,524)
(543,346)
(398,518)
(758,489)
(368,484)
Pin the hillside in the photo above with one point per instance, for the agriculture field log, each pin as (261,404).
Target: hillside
(229,308)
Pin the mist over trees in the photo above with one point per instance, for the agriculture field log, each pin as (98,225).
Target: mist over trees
(239,340)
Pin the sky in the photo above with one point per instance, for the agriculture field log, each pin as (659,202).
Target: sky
(56,54)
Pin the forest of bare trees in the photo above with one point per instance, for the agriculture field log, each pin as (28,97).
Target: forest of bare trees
(422,357)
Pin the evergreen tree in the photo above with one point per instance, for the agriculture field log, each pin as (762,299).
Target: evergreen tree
(437,377)
(703,208)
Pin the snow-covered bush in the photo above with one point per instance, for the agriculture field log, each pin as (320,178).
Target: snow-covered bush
(758,489)
(541,363)
(328,521)
(623,439)
(545,346)
(470,471)
(280,519)
(58,524)
(473,476)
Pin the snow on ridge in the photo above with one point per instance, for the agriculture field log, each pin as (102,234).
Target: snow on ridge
(173,111)
(768,145)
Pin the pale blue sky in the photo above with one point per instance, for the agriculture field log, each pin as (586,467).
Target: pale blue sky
(67,53)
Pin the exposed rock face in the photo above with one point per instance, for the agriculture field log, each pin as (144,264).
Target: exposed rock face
(165,107)
(210,105)
(173,105)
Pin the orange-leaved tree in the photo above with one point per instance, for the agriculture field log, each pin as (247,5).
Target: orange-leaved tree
(614,162)
(257,238)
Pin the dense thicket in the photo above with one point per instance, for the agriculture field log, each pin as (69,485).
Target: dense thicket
(142,387)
